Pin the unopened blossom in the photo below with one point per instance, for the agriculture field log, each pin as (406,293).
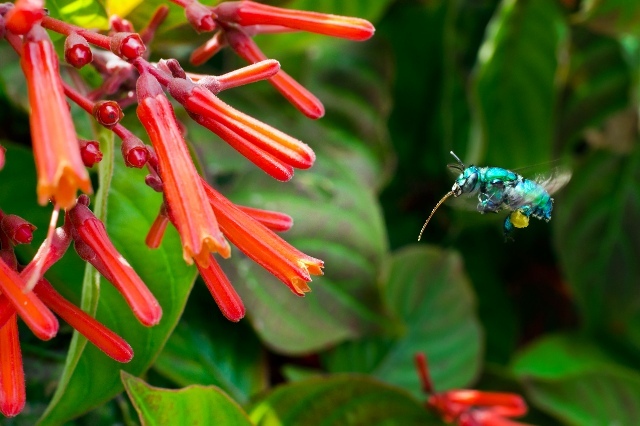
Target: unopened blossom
(183,191)
(94,246)
(61,172)
(24,15)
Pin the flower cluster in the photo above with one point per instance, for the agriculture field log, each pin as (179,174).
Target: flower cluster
(471,407)
(203,217)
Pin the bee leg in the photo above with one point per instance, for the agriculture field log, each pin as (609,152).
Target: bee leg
(508,229)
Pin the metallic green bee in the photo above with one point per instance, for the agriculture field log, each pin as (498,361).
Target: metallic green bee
(501,189)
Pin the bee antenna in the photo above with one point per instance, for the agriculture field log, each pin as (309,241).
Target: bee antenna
(448,194)
(458,160)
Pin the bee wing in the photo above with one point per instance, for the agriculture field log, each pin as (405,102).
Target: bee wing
(555,180)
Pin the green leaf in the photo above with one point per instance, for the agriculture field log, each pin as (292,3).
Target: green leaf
(83,13)
(597,239)
(430,296)
(337,220)
(215,352)
(615,17)
(189,406)
(514,93)
(95,379)
(340,400)
(598,84)
(575,381)
(560,355)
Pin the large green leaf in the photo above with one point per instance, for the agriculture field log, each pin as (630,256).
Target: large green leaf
(336,219)
(598,83)
(189,406)
(207,349)
(340,400)
(95,378)
(598,239)
(575,381)
(430,296)
(514,93)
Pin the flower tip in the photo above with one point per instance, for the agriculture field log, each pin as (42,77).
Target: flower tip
(125,354)
(24,15)
(127,45)
(151,315)
(299,286)
(64,192)
(13,407)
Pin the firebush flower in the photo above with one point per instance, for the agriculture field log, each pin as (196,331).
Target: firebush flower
(185,197)
(33,307)
(238,21)
(61,171)
(471,407)
(94,246)
(203,217)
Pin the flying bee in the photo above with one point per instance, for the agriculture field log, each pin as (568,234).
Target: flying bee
(501,189)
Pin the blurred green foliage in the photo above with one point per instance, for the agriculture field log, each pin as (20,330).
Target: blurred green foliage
(553,316)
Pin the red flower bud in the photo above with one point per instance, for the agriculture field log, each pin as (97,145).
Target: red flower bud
(90,152)
(201,18)
(205,52)
(134,152)
(107,113)
(127,45)
(100,252)
(77,51)
(17,229)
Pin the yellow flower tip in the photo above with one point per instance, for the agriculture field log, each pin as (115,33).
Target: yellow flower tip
(64,187)
(312,265)
(209,245)
(299,286)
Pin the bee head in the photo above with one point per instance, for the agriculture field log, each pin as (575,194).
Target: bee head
(466,182)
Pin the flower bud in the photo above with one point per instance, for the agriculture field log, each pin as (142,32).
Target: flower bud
(107,113)
(90,152)
(201,18)
(77,51)
(127,45)
(134,152)
(17,229)
(24,15)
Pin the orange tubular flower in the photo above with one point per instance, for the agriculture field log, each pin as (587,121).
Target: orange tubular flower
(94,246)
(263,246)
(185,197)
(222,291)
(305,101)
(61,171)
(247,13)
(34,313)
(471,407)
(12,389)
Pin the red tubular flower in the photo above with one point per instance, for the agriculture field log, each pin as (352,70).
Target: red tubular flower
(106,340)
(94,246)
(222,291)
(263,246)
(18,230)
(276,221)
(247,13)
(200,17)
(200,101)
(271,165)
(12,388)
(31,309)
(205,52)
(24,15)
(60,169)
(183,191)
(471,407)
(294,92)
(250,74)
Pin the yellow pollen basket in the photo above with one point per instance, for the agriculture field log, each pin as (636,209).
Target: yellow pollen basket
(519,220)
